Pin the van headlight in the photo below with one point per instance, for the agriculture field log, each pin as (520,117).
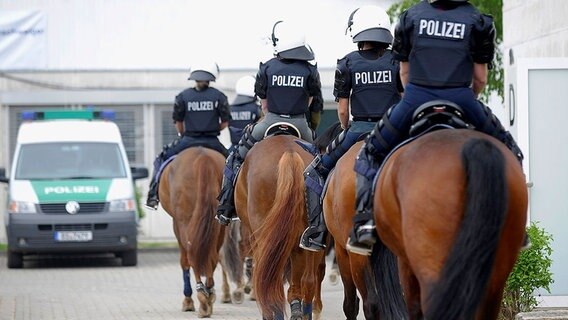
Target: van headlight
(22,207)
(122,205)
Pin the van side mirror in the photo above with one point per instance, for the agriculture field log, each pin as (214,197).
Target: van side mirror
(139,173)
(3,177)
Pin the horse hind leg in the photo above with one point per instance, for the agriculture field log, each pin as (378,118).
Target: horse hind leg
(238,294)
(226,294)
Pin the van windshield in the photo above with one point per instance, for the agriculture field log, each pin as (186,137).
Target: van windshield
(70,160)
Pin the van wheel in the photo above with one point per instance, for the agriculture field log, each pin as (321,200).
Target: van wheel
(129,258)
(15,260)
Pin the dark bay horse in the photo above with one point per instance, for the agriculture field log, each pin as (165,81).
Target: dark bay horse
(452,206)
(188,191)
(269,198)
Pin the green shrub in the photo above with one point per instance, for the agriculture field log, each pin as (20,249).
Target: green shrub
(138,198)
(531,272)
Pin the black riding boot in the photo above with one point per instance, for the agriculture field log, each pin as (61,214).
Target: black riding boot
(152,200)
(226,211)
(314,237)
(363,235)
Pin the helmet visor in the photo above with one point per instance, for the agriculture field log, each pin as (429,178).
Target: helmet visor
(299,53)
(200,75)
(375,35)
(240,99)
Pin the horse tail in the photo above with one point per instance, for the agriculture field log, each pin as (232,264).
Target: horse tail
(466,272)
(279,235)
(389,298)
(231,255)
(205,230)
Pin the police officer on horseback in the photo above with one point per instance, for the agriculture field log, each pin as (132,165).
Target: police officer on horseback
(445,48)
(286,85)
(244,109)
(367,83)
(200,113)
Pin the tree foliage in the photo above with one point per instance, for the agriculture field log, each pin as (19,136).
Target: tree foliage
(491,7)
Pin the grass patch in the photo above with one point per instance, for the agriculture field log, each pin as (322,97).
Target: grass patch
(3,247)
(157,245)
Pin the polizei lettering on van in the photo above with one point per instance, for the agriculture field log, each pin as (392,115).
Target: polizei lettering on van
(371,77)
(71,189)
(200,105)
(444,29)
(287,81)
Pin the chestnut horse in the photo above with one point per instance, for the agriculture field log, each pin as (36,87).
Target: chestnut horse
(269,198)
(452,206)
(339,208)
(188,191)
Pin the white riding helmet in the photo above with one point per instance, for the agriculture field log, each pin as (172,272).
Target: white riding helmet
(245,90)
(290,42)
(370,23)
(204,71)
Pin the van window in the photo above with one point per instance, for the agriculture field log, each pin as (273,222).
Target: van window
(70,160)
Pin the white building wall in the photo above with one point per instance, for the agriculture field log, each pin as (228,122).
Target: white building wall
(535,35)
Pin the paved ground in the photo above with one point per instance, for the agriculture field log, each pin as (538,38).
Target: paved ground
(97,287)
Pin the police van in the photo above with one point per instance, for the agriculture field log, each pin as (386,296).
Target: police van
(70,187)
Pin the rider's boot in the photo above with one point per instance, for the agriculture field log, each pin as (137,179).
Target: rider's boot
(363,236)
(152,199)
(314,237)
(226,211)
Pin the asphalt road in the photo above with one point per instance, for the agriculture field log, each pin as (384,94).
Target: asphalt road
(98,287)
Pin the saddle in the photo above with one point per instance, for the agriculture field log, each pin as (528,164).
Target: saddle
(437,114)
(282,128)
(430,116)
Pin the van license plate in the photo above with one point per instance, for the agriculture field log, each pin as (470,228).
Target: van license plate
(74,236)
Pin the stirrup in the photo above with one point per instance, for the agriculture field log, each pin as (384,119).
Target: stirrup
(358,248)
(362,239)
(312,245)
(151,204)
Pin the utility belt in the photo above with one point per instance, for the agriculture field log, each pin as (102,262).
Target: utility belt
(201,134)
(367,119)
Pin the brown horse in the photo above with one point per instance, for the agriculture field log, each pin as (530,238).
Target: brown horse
(269,197)
(339,209)
(452,206)
(188,191)
(236,263)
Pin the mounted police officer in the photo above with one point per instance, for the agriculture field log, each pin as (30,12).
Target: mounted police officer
(286,85)
(367,83)
(200,113)
(244,109)
(445,48)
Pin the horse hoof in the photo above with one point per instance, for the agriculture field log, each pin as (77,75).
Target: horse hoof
(252,296)
(205,307)
(226,298)
(187,305)
(238,297)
